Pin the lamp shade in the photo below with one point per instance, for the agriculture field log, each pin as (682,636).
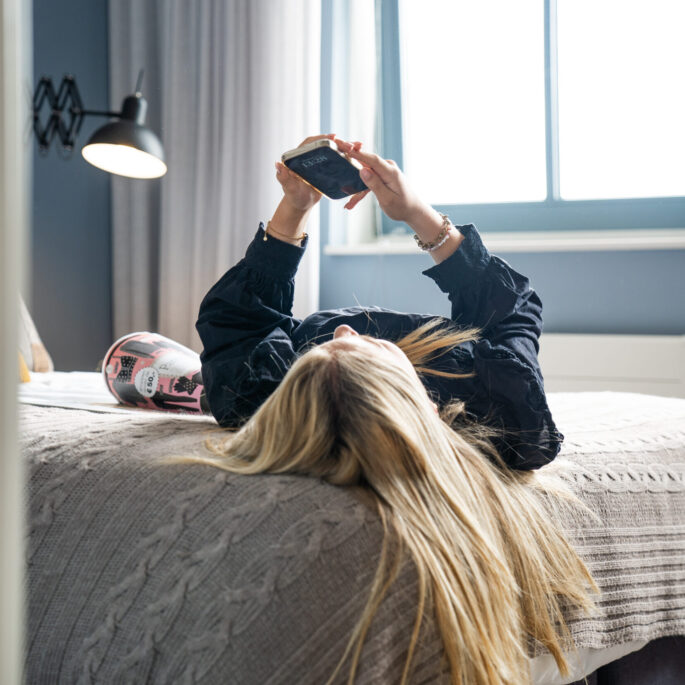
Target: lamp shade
(126,147)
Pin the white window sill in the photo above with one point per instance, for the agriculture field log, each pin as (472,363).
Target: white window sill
(535,241)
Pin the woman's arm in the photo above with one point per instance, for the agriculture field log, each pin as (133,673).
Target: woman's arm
(486,293)
(245,320)
(290,218)
(245,324)
(508,390)
(484,290)
(387,182)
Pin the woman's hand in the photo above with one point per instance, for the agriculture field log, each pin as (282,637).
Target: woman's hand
(387,182)
(299,194)
(290,218)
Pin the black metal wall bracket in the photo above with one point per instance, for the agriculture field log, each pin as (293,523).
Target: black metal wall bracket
(52,106)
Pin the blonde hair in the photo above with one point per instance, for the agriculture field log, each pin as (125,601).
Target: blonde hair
(491,562)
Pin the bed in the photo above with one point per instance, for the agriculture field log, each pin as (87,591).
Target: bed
(141,571)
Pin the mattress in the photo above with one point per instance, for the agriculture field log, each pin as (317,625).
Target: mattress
(142,571)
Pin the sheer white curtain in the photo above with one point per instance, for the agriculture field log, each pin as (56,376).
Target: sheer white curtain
(353,104)
(231,84)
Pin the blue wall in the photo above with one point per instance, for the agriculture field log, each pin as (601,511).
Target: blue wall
(70,250)
(582,292)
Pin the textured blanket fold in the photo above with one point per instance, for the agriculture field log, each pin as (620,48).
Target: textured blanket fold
(147,572)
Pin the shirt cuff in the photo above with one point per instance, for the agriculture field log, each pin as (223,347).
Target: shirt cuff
(272,256)
(468,262)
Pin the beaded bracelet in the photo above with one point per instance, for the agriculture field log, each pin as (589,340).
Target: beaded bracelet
(270,229)
(441,238)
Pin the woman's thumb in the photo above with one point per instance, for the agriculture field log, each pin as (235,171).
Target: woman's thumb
(375,184)
(370,178)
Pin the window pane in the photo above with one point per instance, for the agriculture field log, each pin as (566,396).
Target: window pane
(621,98)
(473,99)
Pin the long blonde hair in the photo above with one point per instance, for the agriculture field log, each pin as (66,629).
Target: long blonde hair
(492,564)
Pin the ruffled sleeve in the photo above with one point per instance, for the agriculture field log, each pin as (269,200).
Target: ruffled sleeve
(245,324)
(509,394)
(507,391)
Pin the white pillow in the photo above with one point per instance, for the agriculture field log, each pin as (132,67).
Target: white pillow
(31,347)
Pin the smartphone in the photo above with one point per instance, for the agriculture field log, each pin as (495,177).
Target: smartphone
(322,166)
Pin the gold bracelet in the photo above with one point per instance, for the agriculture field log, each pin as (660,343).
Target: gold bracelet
(441,238)
(270,229)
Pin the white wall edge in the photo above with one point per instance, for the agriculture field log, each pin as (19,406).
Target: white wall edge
(536,241)
(15,155)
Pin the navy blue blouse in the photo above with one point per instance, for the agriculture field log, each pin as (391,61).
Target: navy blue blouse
(250,340)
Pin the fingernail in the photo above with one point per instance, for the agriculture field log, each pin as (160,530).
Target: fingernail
(365,174)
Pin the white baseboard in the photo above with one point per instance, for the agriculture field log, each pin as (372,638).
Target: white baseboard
(649,364)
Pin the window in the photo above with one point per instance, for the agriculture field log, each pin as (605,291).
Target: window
(631,141)
(538,115)
(473,100)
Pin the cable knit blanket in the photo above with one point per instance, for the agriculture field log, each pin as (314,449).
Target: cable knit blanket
(146,572)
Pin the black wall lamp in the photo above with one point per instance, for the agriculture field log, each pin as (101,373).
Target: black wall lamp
(124,146)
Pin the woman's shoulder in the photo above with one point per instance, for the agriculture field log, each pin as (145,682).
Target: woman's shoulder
(378,322)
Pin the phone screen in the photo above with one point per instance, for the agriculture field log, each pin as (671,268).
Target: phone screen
(327,171)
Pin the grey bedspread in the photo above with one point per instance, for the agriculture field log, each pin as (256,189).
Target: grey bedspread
(145,572)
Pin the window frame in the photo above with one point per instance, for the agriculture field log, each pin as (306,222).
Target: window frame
(552,213)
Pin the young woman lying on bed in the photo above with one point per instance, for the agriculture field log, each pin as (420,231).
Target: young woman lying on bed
(428,414)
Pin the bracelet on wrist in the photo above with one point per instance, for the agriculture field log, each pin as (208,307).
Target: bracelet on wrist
(270,229)
(441,238)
